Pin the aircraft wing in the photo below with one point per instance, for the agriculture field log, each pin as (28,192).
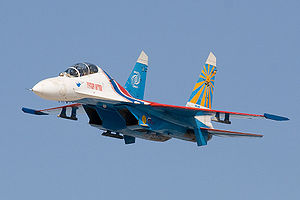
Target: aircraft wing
(67,111)
(217,115)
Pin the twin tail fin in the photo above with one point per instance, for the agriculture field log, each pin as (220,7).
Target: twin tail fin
(203,91)
(136,81)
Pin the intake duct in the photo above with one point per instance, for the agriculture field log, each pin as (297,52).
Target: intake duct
(92,114)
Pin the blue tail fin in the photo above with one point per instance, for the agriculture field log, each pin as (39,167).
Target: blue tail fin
(203,91)
(135,83)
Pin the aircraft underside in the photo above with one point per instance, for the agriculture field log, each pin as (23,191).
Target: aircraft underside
(121,120)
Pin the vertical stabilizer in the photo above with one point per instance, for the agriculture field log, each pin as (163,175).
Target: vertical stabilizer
(202,93)
(135,83)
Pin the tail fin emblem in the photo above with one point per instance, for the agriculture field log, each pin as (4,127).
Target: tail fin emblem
(135,79)
(204,88)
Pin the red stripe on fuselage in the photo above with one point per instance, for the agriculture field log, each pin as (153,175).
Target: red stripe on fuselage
(123,90)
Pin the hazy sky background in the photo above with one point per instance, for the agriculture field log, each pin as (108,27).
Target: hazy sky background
(257,48)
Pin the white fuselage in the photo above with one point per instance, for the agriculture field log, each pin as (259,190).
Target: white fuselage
(66,88)
(99,89)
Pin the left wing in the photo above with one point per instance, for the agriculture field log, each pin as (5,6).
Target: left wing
(67,112)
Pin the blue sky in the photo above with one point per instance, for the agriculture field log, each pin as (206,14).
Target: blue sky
(257,48)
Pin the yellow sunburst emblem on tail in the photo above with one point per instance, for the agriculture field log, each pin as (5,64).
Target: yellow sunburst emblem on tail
(203,91)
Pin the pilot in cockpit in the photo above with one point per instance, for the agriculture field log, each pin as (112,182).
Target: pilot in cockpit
(80,69)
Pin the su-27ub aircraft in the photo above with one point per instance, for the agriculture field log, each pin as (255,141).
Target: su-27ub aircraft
(122,112)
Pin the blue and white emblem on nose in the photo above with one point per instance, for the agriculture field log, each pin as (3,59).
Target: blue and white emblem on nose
(78,84)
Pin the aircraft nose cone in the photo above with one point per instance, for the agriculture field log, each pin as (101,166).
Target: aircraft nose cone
(38,88)
(47,89)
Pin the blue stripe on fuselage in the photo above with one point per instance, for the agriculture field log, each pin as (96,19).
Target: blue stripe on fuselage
(116,88)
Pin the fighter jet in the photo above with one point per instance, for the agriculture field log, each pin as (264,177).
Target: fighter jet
(121,112)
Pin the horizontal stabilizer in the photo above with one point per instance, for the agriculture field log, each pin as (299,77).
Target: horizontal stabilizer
(224,133)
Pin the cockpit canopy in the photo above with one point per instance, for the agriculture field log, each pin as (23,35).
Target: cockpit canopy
(81,69)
